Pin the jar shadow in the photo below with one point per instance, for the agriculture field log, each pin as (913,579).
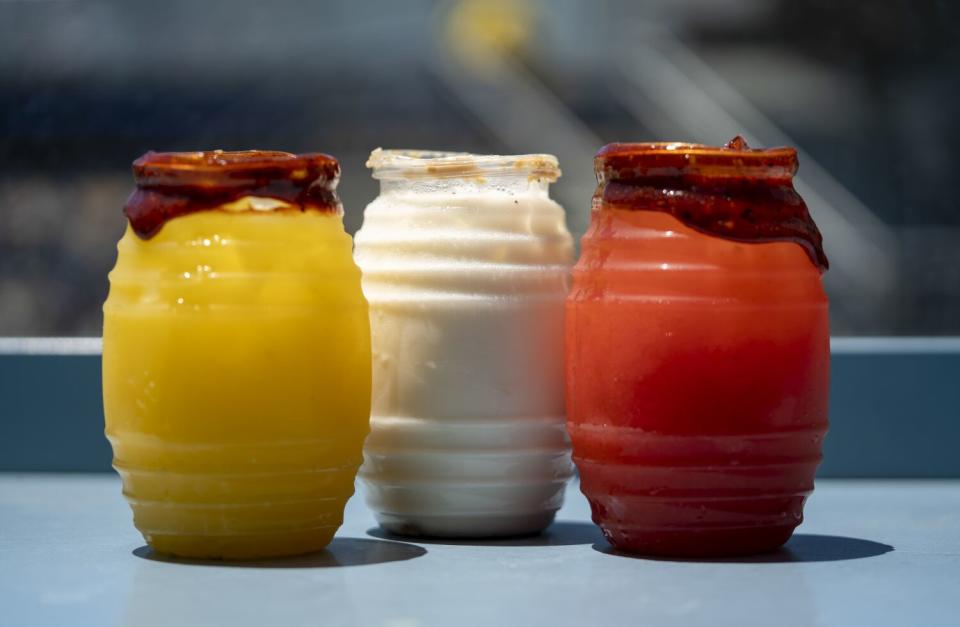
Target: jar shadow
(560,533)
(802,547)
(339,553)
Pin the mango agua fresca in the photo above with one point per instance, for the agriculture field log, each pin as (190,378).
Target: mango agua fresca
(236,354)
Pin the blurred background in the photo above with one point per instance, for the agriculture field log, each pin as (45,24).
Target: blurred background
(868,91)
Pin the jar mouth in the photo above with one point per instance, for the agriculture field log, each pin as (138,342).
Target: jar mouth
(234,169)
(421,164)
(172,184)
(736,160)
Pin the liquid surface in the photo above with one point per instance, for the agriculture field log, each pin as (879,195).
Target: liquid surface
(466,290)
(697,374)
(236,376)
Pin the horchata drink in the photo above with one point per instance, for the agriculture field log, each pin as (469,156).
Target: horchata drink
(466,264)
(697,349)
(236,354)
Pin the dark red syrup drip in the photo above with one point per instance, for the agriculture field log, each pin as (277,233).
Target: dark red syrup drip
(172,184)
(734,191)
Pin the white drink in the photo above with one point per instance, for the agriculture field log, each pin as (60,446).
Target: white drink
(466,263)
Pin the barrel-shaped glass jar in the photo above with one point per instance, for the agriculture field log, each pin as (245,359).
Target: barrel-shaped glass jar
(236,354)
(697,345)
(466,262)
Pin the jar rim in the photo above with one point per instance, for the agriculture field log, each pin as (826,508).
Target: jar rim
(172,184)
(624,161)
(418,164)
(233,168)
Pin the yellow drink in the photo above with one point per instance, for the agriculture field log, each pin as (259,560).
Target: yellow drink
(236,373)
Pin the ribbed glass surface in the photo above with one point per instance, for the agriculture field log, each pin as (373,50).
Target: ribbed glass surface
(697,373)
(237,381)
(466,283)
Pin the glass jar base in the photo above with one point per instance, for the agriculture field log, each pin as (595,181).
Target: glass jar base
(466,526)
(242,547)
(701,543)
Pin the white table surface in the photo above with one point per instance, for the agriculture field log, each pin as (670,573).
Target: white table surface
(871,553)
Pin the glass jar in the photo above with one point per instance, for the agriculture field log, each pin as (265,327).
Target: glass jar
(236,354)
(697,344)
(466,263)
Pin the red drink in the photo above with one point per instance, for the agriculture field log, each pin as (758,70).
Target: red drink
(697,344)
